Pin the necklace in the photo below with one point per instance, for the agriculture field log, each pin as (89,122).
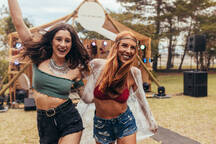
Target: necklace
(58,70)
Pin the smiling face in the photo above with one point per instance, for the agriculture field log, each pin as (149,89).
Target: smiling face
(126,49)
(61,44)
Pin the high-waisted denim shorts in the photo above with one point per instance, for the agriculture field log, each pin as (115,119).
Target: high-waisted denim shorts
(109,130)
(58,122)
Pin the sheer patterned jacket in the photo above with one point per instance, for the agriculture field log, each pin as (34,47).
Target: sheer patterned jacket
(137,101)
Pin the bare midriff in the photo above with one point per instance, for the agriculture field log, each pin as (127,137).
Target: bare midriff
(45,102)
(108,109)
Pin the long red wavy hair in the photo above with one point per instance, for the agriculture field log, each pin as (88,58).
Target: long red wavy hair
(114,76)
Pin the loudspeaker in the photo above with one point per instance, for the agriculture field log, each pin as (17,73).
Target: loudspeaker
(146,87)
(1,102)
(196,43)
(94,50)
(29,104)
(21,94)
(161,91)
(195,83)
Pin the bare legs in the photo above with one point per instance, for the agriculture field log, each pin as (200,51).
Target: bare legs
(71,138)
(131,139)
(100,143)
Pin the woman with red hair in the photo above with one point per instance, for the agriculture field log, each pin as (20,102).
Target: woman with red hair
(115,87)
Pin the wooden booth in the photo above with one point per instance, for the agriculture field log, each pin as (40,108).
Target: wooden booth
(21,70)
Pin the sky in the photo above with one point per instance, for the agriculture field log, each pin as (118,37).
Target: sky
(44,11)
(40,12)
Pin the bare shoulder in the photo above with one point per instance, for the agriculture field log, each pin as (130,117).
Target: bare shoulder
(44,65)
(75,74)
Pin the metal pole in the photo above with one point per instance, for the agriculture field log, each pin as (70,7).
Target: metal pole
(15,78)
(150,74)
(197,61)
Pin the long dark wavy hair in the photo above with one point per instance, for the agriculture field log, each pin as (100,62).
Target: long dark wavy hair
(39,51)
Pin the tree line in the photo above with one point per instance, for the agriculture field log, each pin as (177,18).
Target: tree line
(158,19)
(168,19)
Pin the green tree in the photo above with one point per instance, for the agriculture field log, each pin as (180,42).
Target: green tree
(3,68)
(199,18)
(171,18)
(148,13)
(6,27)
(207,26)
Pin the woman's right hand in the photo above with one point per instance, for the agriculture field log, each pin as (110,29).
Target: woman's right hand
(16,15)
(153,127)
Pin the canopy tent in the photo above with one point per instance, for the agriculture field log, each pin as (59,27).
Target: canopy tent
(93,17)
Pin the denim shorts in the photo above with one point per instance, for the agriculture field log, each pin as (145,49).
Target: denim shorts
(58,122)
(109,130)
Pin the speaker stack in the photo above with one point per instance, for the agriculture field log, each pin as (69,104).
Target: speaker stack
(29,104)
(196,43)
(195,83)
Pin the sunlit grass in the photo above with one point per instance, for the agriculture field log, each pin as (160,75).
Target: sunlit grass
(189,116)
(176,67)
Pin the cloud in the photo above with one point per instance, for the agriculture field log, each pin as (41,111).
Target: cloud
(55,10)
(3,2)
(43,11)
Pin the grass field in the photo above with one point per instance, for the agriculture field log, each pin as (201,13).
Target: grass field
(189,116)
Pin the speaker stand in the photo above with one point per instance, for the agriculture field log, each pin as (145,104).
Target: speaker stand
(197,61)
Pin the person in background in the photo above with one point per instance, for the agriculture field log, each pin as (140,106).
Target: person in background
(115,87)
(58,58)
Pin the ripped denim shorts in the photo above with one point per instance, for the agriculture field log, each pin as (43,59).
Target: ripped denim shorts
(108,130)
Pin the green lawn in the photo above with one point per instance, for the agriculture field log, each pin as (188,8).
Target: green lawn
(193,117)
(189,116)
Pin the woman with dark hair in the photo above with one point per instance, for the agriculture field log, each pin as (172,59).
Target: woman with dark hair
(115,87)
(58,59)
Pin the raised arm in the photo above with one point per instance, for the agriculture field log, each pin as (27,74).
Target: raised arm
(16,14)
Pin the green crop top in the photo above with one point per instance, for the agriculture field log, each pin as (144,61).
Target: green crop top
(51,85)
